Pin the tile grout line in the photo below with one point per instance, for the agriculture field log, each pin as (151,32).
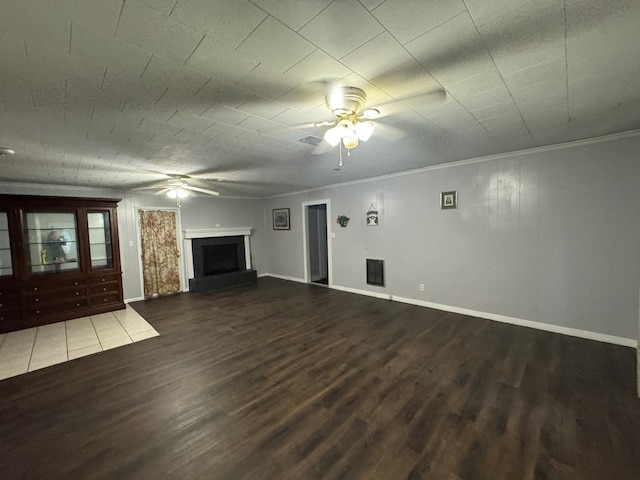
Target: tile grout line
(33,346)
(124,328)
(96,332)
(66,340)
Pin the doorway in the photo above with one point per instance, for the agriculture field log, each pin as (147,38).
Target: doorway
(317,247)
(160,252)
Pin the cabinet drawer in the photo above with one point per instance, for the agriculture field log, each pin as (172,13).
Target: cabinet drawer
(105,299)
(7,305)
(7,291)
(108,277)
(57,285)
(107,287)
(10,314)
(9,300)
(56,296)
(43,310)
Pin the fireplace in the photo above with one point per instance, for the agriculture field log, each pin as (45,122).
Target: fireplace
(218,259)
(218,255)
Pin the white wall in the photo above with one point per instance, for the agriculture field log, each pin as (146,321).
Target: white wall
(549,236)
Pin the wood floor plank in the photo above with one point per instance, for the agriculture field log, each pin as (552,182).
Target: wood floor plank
(289,381)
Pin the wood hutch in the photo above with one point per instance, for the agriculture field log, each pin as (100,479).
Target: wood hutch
(59,259)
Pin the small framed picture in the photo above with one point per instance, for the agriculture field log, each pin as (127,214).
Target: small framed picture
(281,219)
(448,200)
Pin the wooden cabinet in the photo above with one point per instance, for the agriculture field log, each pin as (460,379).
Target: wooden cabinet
(59,259)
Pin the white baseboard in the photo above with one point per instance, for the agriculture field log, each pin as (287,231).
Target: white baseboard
(136,299)
(283,277)
(383,296)
(573,332)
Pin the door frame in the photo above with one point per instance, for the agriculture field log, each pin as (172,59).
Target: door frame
(181,264)
(305,240)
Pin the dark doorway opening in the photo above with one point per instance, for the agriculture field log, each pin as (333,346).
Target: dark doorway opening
(318,246)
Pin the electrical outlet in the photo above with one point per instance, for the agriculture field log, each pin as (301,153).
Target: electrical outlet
(422,287)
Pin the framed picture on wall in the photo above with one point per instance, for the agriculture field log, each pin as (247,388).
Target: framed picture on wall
(448,200)
(281,219)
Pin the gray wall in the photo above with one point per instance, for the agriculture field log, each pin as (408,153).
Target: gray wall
(550,236)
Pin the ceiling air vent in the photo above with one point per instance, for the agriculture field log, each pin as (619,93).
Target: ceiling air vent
(311,140)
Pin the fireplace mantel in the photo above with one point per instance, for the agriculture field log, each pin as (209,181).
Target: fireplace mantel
(216,232)
(189,235)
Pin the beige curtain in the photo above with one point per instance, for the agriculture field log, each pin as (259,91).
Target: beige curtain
(160,254)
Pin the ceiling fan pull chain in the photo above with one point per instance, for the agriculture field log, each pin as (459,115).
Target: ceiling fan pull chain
(340,162)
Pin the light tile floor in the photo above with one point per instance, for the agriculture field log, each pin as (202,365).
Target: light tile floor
(34,348)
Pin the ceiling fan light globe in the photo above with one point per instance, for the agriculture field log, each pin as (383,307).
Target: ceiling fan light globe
(177,192)
(371,113)
(364,130)
(332,136)
(350,141)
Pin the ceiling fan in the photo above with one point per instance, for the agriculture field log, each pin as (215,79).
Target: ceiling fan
(178,187)
(353,120)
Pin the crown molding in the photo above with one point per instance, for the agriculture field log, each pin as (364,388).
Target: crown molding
(518,153)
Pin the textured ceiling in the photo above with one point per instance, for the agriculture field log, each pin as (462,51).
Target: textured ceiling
(119,93)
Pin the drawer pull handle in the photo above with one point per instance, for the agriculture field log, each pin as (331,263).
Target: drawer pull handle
(104,289)
(104,279)
(35,289)
(77,304)
(37,311)
(37,300)
(77,293)
(76,283)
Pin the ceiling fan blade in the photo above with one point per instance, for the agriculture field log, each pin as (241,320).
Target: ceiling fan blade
(201,190)
(299,126)
(409,103)
(152,186)
(387,132)
(163,191)
(322,148)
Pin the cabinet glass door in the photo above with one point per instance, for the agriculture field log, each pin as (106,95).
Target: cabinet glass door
(100,239)
(6,266)
(51,242)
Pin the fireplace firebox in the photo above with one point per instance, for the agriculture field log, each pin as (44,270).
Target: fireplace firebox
(217,259)
(219,262)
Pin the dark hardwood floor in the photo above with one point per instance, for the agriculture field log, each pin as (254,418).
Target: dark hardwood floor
(291,381)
